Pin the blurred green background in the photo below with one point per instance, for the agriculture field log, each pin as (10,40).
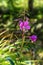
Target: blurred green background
(11,11)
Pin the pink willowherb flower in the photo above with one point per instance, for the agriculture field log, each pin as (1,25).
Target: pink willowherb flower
(33,38)
(24,25)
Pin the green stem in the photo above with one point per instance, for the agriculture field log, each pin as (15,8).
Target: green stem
(23,39)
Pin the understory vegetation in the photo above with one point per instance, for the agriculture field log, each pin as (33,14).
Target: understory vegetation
(21,32)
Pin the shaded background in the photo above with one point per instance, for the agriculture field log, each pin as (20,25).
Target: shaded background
(11,11)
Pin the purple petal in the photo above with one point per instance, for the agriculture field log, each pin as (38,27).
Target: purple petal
(28,27)
(26,23)
(33,38)
(21,25)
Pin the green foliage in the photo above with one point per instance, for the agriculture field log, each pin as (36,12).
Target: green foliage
(10,35)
